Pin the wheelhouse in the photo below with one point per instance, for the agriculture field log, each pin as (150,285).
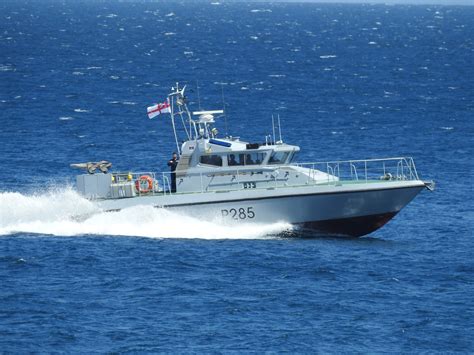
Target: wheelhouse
(268,155)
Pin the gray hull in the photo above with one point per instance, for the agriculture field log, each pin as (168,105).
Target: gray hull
(347,210)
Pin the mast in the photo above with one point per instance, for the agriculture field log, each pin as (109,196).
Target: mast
(198,128)
(174,129)
(179,103)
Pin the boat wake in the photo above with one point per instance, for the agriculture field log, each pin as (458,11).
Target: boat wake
(65,213)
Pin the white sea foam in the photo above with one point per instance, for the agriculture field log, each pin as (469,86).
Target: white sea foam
(6,67)
(260,10)
(65,213)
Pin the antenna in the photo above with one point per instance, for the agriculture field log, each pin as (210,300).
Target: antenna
(273,128)
(223,108)
(174,127)
(199,97)
(279,128)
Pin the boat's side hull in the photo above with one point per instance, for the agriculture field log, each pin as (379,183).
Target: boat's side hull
(351,227)
(349,211)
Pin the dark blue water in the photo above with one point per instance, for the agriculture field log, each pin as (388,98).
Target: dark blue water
(349,81)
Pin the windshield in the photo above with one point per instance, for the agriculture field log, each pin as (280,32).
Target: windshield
(278,157)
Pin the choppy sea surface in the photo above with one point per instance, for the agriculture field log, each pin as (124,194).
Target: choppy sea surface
(348,81)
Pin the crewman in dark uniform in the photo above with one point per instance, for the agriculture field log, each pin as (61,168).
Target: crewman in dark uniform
(173,163)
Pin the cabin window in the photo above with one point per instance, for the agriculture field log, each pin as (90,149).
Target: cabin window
(254,158)
(239,159)
(278,157)
(215,160)
(235,159)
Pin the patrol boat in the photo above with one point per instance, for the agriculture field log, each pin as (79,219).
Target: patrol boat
(235,181)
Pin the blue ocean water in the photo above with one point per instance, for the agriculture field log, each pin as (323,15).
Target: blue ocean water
(349,81)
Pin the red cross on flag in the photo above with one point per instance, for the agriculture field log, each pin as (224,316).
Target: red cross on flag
(158,109)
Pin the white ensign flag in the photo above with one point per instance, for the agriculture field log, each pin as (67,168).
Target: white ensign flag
(158,109)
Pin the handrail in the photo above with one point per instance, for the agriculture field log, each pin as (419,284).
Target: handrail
(354,161)
(355,171)
(329,172)
(166,182)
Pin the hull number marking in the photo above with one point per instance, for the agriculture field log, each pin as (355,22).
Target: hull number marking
(238,213)
(250,185)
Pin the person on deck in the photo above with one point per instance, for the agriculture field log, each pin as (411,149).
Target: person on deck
(173,163)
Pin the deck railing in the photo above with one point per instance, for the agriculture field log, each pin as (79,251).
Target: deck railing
(145,182)
(366,170)
(336,173)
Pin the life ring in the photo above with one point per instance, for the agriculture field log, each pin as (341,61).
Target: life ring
(144,184)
